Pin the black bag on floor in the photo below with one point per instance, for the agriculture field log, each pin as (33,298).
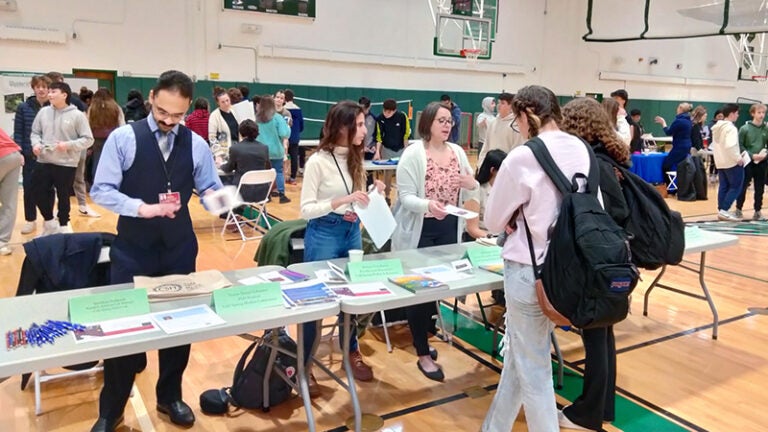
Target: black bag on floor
(248,378)
(686,170)
(699,178)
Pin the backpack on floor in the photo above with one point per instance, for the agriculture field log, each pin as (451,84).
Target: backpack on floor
(248,379)
(587,274)
(657,234)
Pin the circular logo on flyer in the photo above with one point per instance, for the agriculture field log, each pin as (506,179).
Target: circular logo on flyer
(169,287)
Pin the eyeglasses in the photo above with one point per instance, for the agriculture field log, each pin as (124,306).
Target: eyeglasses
(445,121)
(514,126)
(163,114)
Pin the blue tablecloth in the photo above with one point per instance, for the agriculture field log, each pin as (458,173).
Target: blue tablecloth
(648,166)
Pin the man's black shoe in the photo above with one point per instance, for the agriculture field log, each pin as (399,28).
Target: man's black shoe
(179,412)
(106,425)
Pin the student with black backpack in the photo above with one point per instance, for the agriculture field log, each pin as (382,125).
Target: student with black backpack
(585,118)
(523,188)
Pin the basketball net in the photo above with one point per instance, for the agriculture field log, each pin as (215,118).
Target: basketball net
(471,55)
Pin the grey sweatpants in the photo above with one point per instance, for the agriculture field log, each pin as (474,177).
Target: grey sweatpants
(79,184)
(10,168)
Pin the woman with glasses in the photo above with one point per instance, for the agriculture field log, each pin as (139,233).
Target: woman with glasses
(503,133)
(523,189)
(430,175)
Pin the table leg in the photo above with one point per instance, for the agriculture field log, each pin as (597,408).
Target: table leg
(350,377)
(715,317)
(651,287)
(702,283)
(302,372)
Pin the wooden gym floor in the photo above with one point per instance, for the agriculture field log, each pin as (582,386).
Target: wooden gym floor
(671,374)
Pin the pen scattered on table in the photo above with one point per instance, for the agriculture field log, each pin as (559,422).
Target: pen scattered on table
(39,334)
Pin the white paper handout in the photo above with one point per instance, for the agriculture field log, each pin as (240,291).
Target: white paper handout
(330,277)
(442,272)
(116,328)
(362,290)
(189,318)
(377,218)
(251,280)
(244,110)
(274,276)
(222,200)
(746,158)
(460,212)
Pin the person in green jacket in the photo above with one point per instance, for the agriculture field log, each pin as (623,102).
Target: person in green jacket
(753,138)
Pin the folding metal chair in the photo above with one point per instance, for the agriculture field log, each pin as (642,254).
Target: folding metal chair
(256,199)
(41,376)
(672,186)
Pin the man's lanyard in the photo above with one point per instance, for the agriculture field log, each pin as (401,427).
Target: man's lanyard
(163,162)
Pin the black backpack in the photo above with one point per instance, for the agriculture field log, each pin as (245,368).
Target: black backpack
(247,389)
(588,274)
(657,234)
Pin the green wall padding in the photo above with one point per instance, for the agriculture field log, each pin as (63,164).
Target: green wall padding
(469,102)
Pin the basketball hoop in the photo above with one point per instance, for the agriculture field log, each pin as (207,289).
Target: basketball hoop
(471,55)
(759,78)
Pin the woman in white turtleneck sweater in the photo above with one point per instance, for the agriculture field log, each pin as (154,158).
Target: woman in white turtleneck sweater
(334,183)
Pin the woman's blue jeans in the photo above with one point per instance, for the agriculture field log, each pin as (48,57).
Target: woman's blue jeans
(326,238)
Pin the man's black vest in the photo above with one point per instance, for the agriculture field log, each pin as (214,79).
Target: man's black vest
(146,179)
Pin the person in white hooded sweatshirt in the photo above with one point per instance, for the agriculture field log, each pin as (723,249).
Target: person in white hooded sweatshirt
(503,133)
(728,161)
(484,120)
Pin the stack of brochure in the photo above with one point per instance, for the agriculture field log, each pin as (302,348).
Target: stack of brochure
(308,293)
(416,283)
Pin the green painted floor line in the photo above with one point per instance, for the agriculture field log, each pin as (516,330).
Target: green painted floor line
(630,416)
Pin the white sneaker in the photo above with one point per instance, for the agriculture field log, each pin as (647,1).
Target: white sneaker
(66,229)
(724,215)
(566,423)
(5,249)
(87,211)
(50,227)
(28,227)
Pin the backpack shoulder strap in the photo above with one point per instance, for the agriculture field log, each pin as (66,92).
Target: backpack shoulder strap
(593,179)
(544,158)
(241,363)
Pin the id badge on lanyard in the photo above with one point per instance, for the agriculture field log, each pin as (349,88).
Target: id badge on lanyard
(169,198)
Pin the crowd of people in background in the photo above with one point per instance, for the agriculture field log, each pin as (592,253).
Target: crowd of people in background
(59,146)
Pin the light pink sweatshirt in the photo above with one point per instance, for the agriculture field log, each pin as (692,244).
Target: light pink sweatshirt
(522,183)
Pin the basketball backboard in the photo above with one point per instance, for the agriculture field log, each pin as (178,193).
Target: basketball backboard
(456,33)
(462,27)
(749,53)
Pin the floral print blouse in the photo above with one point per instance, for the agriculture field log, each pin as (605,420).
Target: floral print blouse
(439,184)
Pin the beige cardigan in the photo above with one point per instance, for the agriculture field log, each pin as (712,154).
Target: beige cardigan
(216,124)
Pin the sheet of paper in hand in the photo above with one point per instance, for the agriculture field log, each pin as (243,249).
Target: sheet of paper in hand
(179,286)
(222,200)
(460,212)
